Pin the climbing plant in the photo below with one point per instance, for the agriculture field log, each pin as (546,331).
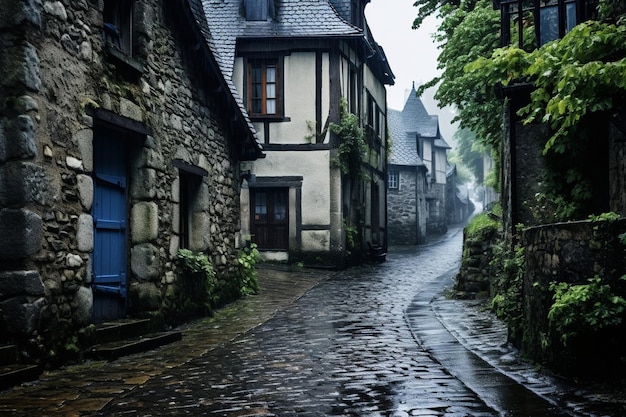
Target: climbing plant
(580,74)
(352,147)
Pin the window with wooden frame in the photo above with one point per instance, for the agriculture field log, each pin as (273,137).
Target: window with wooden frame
(393,180)
(264,88)
(118,25)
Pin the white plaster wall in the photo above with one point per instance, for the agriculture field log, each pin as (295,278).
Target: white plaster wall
(440,164)
(316,240)
(376,88)
(299,99)
(427,157)
(313,166)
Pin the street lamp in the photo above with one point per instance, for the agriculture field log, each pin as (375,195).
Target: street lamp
(536,22)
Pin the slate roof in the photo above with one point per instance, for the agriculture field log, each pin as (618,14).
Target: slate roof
(197,10)
(406,125)
(293,19)
(403,143)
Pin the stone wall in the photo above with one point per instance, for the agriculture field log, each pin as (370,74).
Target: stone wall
(53,70)
(407,209)
(565,252)
(475,274)
(437,221)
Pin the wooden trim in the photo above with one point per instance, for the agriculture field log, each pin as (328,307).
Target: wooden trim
(192,169)
(314,227)
(115,119)
(276,182)
(335,93)
(297,147)
(318,95)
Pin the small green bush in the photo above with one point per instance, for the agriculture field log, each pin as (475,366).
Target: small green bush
(584,308)
(246,269)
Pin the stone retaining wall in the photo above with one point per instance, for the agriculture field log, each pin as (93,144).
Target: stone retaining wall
(565,252)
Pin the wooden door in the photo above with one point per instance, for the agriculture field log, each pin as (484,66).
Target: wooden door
(270,218)
(109,214)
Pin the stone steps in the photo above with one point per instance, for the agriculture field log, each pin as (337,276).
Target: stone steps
(13,373)
(126,337)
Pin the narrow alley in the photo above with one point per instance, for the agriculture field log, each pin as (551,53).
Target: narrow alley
(362,342)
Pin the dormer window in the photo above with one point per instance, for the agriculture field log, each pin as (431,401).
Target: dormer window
(259,10)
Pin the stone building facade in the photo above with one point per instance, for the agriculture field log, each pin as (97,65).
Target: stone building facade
(417,175)
(119,144)
(295,62)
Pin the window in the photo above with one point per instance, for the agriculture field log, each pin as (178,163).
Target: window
(393,180)
(190,183)
(259,10)
(263,88)
(118,25)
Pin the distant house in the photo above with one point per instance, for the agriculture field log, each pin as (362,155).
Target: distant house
(120,143)
(293,62)
(419,153)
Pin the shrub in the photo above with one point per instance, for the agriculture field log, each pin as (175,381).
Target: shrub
(581,309)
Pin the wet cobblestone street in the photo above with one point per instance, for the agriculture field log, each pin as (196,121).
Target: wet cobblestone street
(344,349)
(378,340)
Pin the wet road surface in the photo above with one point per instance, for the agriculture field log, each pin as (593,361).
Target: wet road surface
(362,342)
(345,349)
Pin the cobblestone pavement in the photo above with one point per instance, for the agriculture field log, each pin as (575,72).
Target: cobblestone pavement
(371,341)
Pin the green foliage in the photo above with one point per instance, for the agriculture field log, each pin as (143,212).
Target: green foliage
(483,225)
(352,147)
(470,152)
(508,270)
(351,237)
(196,262)
(580,74)
(622,238)
(246,270)
(467,33)
(195,292)
(605,217)
(582,309)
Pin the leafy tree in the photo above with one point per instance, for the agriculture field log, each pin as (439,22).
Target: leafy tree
(468,32)
(470,152)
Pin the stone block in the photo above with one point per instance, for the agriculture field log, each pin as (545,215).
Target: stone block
(130,110)
(84,139)
(56,9)
(16,13)
(22,233)
(200,236)
(17,139)
(21,314)
(13,283)
(143,184)
(145,262)
(82,306)
(84,233)
(85,190)
(24,183)
(144,222)
(145,296)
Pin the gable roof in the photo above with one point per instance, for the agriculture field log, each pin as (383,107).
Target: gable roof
(403,143)
(293,18)
(195,13)
(407,125)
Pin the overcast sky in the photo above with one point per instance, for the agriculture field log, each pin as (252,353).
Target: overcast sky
(412,54)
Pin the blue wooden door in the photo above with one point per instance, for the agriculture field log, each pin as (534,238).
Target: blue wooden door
(109,215)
